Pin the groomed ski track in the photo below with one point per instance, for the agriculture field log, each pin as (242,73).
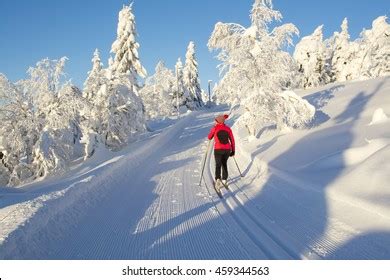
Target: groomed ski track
(147,204)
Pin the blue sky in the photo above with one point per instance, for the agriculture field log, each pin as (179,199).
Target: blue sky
(32,30)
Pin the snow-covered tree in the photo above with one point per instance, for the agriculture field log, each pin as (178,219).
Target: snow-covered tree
(114,111)
(159,92)
(375,50)
(365,58)
(95,108)
(4,172)
(310,54)
(340,54)
(249,53)
(205,96)
(256,70)
(179,93)
(18,130)
(95,77)
(56,105)
(39,122)
(113,115)
(285,109)
(191,79)
(125,48)
(95,114)
(125,111)
(126,115)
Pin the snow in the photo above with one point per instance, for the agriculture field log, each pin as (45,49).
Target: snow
(342,162)
(379,116)
(315,193)
(349,157)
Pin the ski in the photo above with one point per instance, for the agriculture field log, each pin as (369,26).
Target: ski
(217,190)
(226,186)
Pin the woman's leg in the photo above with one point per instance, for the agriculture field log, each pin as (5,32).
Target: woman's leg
(218,164)
(225,158)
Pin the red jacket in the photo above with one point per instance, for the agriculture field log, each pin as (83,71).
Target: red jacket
(224,139)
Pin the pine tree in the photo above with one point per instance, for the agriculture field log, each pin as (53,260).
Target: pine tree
(340,54)
(94,80)
(125,48)
(365,58)
(310,54)
(159,92)
(205,96)
(95,110)
(125,111)
(114,111)
(191,79)
(179,93)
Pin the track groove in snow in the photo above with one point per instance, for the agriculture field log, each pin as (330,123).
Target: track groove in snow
(267,243)
(268,237)
(148,206)
(146,203)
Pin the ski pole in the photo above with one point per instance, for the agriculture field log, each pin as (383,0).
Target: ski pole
(238,167)
(204,162)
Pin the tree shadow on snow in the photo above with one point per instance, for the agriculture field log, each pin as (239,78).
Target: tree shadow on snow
(141,231)
(65,241)
(291,199)
(293,205)
(372,245)
(319,100)
(115,231)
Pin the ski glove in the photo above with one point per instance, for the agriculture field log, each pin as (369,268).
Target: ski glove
(232,153)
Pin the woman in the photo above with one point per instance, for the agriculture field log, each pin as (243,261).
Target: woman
(224,148)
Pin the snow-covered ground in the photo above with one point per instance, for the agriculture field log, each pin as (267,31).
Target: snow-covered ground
(319,193)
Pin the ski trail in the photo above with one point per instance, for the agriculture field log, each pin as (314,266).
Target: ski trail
(172,226)
(258,229)
(302,208)
(148,206)
(275,215)
(294,217)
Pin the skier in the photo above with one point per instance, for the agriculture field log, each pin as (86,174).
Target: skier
(224,148)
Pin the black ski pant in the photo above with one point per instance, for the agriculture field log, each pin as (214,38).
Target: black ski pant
(221,158)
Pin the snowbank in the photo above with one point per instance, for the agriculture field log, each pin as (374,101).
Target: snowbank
(379,116)
(332,179)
